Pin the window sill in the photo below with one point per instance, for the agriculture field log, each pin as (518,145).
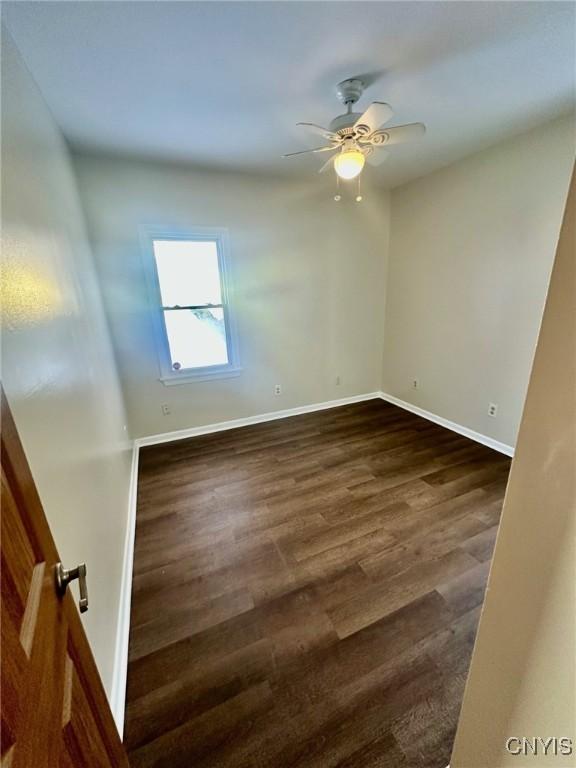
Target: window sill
(192,378)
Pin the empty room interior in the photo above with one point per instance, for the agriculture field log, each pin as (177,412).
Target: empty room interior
(288,375)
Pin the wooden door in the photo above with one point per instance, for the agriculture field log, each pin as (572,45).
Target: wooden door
(54,710)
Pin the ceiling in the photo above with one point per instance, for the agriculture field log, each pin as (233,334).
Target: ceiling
(223,83)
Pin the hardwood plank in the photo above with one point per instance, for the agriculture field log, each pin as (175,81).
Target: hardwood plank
(197,738)
(466,591)
(197,690)
(387,596)
(185,620)
(481,546)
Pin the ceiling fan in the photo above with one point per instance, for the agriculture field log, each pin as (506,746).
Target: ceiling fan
(356,137)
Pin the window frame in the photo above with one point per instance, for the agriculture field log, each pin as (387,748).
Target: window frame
(168,375)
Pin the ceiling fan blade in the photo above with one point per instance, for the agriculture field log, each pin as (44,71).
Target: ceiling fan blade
(321,131)
(397,135)
(327,165)
(377,156)
(376,115)
(307,151)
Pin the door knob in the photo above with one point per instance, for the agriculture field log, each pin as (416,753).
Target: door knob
(65,576)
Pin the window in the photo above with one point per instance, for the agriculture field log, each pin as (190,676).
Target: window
(188,282)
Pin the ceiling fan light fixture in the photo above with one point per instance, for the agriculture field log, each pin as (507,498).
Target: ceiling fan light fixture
(353,138)
(349,164)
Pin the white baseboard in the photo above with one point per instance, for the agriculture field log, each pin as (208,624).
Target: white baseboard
(508,450)
(182,434)
(118,694)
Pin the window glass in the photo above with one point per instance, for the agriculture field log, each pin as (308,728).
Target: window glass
(188,272)
(197,337)
(192,305)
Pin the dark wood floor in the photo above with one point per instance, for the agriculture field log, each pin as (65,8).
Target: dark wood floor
(306,592)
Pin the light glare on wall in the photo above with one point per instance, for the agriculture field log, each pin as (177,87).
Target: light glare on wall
(28,296)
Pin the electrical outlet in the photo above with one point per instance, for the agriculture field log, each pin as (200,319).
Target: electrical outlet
(415,384)
(338,380)
(492,410)
(278,389)
(165,409)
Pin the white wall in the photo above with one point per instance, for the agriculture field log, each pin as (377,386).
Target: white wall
(471,251)
(523,668)
(57,366)
(308,278)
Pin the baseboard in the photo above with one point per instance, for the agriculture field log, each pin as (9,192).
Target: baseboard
(508,450)
(118,694)
(182,434)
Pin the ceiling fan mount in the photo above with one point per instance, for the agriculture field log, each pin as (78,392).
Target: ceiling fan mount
(349,91)
(354,136)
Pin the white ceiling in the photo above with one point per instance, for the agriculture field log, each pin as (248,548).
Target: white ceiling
(223,83)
